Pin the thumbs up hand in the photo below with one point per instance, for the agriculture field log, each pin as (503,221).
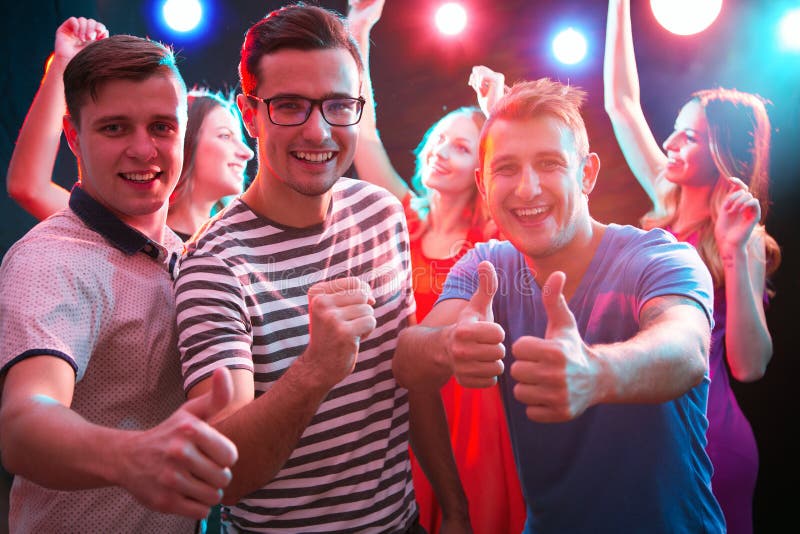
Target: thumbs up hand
(476,342)
(557,376)
(182,465)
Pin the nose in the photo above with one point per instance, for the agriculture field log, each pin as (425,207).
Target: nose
(440,150)
(142,146)
(243,151)
(316,129)
(529,185)
(670,143)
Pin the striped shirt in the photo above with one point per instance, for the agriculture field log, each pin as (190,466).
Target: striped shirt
(242,303)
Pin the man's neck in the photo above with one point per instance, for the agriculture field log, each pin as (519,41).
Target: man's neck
(573,259)
(152,225)
(285,206)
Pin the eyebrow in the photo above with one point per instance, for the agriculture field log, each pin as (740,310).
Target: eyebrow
(463,140)
(540,154)
(125,118)
(324,97)
(687,129)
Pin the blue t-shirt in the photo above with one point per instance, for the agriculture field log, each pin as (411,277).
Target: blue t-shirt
(617,467)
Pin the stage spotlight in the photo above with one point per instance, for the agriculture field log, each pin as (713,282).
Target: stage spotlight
(686,17)
(451,18)
(569,46)
(182,15)
(789,30)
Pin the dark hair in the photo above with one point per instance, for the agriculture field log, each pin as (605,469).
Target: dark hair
(118,57)
(201,102)
(297,27)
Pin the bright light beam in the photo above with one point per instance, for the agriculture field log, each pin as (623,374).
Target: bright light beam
(686,17)
(182,15)
(789,30)
(569,46)
(451,18)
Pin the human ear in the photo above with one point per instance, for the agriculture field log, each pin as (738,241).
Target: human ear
(591,169)
(248,111)
(71,134)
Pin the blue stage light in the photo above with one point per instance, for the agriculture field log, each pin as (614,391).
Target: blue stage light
(182,15)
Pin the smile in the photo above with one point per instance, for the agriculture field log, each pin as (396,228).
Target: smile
(530,212)
(315,157)
(140,177)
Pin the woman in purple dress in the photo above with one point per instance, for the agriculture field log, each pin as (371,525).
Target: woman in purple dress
(709,189)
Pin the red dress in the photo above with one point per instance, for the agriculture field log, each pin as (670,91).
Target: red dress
(478,427)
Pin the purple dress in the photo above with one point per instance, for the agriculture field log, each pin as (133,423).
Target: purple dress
(731,443)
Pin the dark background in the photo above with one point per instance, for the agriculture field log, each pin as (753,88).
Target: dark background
(419,75)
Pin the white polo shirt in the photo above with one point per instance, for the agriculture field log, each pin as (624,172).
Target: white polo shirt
(84,287)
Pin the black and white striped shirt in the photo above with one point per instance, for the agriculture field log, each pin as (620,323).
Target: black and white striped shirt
(241,299)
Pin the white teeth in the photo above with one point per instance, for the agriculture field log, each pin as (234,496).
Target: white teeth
(139,176)
(530,212)
(316,157)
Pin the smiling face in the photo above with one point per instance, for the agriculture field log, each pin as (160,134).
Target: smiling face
(221,155)
(129,146)
(535,184)
(450,155)
(307,159)
(689,160)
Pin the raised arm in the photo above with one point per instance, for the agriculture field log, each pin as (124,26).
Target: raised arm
(371,160)
(622,102)
(29,180)
(178,467)
(748,343)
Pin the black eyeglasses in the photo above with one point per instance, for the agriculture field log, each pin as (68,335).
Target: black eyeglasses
(295,110)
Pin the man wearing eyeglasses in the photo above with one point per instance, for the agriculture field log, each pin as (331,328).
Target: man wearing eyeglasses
(301,287)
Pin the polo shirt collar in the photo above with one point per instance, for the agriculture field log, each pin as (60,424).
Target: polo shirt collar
(104,222)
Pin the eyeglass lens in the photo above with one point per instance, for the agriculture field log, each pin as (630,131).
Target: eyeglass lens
(290,111)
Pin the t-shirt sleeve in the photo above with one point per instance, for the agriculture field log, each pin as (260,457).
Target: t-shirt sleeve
(213,324)
(404,249)
(49,308)
(462,280)
(674,268)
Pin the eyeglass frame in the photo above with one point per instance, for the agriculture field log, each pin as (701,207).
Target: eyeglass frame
(315,102)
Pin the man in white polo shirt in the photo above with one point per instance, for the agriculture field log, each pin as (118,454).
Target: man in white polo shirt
(92,420)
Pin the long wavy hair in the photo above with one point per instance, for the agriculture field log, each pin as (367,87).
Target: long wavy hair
(739,141)
(477,214)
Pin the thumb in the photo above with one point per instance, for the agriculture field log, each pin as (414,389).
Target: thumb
(212,402)
(555,305)
(481,301)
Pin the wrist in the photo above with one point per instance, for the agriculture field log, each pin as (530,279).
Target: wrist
(306,375)
(733,256)
(113,461)
(443,358)
(56,63)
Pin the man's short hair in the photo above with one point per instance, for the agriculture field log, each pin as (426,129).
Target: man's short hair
(294,27)
(531,99)
(118,57)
